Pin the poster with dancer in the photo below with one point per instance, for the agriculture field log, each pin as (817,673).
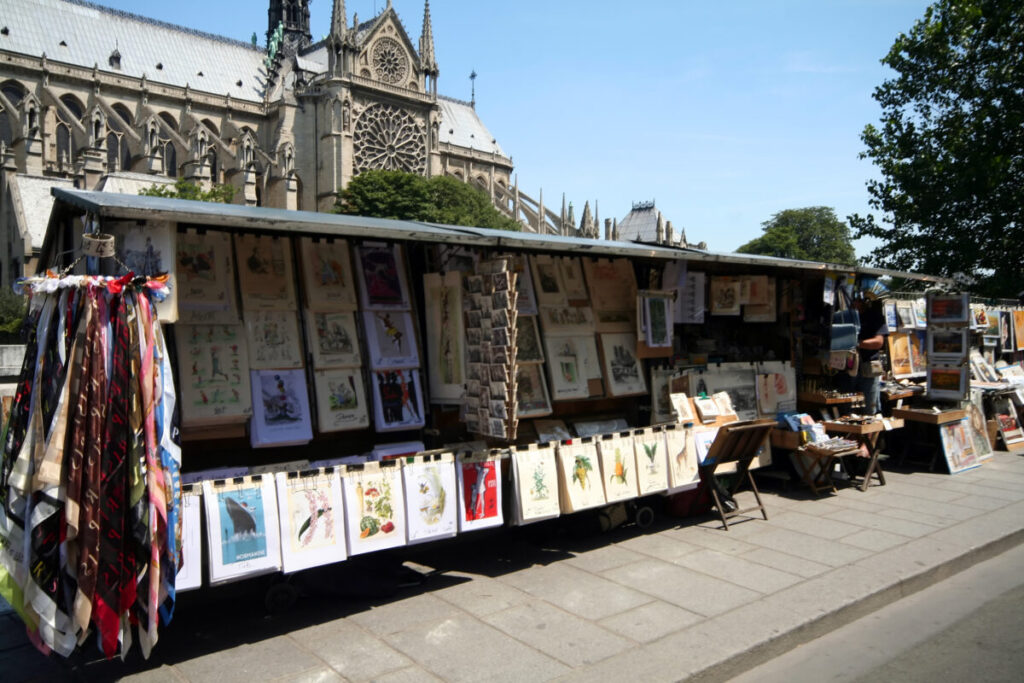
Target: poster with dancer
(273,340)
(333,339)
(397,400)
(446,336)
(535,483)
(312,518)
(431,489)
(340,400)
(374,506)
(390,339)
(382,284)
(265,272)
(280,409)
(328,278)
(479,491)
(242,532)
(213,364)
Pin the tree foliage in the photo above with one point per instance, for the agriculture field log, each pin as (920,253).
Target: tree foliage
(186,189)
(407,196)
(814,233)
(950,147)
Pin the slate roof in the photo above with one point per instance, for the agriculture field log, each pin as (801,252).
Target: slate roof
(84,34)
(34,194)
(461,126)
(640,224)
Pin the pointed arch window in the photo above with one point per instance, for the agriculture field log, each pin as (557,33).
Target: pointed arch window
(13,92)
(214,168)
(65,140)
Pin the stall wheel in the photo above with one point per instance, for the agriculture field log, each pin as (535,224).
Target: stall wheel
(644,516)
(280,597)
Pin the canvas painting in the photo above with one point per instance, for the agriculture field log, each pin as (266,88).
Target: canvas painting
(204,273)
(528,347)
(265,272)
(213,364)
(612,284)
(571,270)
(374,507)
(328,279)
(382,284)
(479,491)
(682,458)
(397,400)
(535,483)
(531,392)
(312,518)
(333,339)
(579,476)
(280,408)
(273,340)
(547,281)
(446,357)
(947,382)
(431,490)
(618,467)
(340,400)
(566,369)
(566,320)
(958,446)
(651,461)
(390,339)
(623,370)
(242,529)
(725,295)
(190,575)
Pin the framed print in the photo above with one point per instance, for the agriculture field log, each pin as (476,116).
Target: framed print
(979,318)
(374,507)
(333,339)
(658,320)
(213,374)
(382,283)
(446,355)
(918,355)
(566,368)
(528,346)
(531,392)
(204,272)
(479,491)
(390,339)
(566,320)
(340,400)
(978,426)
(397,400)
(547,280)
(957,446)
(766,312)
(431,490)
(947,382)
(948,309)
(892,318)
(535,483)
(623,371)
(725,295)
(612,284)
(947,345)
(899,354)
(328,278)
(242,530)
(273,340)
(905,311)
(280,415)
(682,458)
(579,475)
(618,466)
(992,321)
(571,270)
(312,516)
(265,272)
(1007,341)
(651,461)
(920,314)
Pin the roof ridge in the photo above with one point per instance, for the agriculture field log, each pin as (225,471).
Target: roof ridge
(164,24)
(454,99)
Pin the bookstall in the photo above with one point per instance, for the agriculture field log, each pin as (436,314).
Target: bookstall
(315,387)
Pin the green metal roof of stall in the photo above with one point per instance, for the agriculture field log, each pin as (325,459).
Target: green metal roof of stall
(108,205)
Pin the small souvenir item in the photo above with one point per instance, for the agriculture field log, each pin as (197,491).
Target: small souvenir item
(242,529)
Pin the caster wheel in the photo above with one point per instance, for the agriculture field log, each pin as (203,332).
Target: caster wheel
(280,597)
(644,517)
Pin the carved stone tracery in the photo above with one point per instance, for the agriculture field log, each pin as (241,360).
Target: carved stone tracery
(389,138)
(389,61)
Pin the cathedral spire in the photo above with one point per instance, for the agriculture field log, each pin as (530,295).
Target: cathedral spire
(427,42)
(339,24)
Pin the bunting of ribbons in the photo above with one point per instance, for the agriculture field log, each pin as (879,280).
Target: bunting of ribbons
(89,469)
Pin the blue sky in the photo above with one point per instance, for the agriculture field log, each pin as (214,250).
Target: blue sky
(724,112)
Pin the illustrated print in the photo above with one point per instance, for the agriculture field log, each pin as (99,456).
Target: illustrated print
(431,496)
(398,397)
(280,403)
(382,281)
(332,335)
(539,488)
(144,259)
(480,489)
(312,518)
(216,383)
(273,339)
(392,335)
(582,467)
(243,536)
(618,475)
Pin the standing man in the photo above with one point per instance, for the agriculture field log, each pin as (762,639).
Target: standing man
(870,341)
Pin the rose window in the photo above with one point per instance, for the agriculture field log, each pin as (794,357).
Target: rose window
(389,61)
(388,138)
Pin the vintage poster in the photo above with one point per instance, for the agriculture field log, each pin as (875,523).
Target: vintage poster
(579,475)
(280,409)
(682,458)
(535,483)
(333,339)
(899,354)
(265,272)
(571,271)
(531,392)
(390,339)
(397,400)
(622,369)
(328,279)
(612,284)
(204,273)
(150,250)
(374,506)
(340,400)
(725,295)
(242,529)
(479,491)
(431,489)
(213,374)
(273,340)
(547,280)
(957,446)
(766,312)
(382,283)
(446,357)
(312,518)
(190,575)
(618,467)
(651,460)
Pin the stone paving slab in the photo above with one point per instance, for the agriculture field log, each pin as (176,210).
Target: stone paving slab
(562,601)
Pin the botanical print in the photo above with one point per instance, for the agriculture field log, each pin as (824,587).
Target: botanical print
(651,461)
(281,408)
(327,274)
(566,320)
(374,507)
(312,519)
(273,339)
(390,339)
(265,272)
(397,400)
(612,284)
(529,349)
(203,273)
(571,271)
(682,457)
(479,492)
(242,527)
(333,339)
(547,281)
(579,475)
(725,295)
(340,400)
(623,373)
(957,446)
(445,336)
(565,369)
(618,467)
(382,277)
(214,374)
(531,392)
(430,497)
(535,477)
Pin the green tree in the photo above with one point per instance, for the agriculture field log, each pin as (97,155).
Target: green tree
(186,189)
(810,234)
(407,196)
(950,147)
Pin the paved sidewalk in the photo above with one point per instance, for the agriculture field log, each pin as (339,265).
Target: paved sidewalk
(564,601)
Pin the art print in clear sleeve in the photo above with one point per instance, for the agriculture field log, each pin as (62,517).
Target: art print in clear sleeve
(390,339)
(312,517)
(479,492)
(340,400)
(382,277)
(273,339)
(431,490)
(374,507)
(242,527)
(213,374)
(265,272)
(333,339)
(328,277)
(397,400)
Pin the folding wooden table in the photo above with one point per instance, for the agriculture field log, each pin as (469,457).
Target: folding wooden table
(736,442)
(866,434)
(815,465)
